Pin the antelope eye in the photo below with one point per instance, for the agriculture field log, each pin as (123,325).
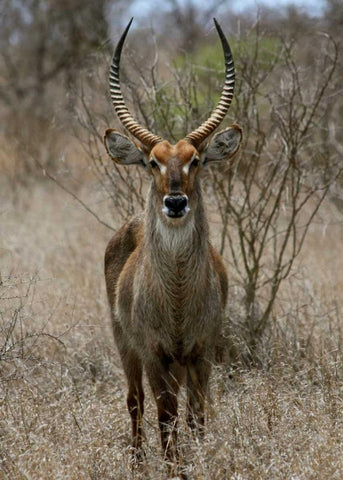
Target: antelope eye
(195,162)
(153,164)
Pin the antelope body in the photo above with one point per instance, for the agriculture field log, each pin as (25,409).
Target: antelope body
(166,285)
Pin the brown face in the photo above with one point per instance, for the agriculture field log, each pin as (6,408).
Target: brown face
(174,168)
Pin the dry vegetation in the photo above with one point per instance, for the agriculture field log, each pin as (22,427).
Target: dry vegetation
(275,410)
(63,409)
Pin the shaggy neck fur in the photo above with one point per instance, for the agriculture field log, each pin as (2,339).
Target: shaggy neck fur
(177,254)
(177,240)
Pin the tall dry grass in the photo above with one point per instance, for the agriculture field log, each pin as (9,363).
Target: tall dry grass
(63,410)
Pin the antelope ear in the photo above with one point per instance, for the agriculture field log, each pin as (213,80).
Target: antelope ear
(122,150)
(223,145)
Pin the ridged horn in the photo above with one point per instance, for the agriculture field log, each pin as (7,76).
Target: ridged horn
(218,114)
(142,134)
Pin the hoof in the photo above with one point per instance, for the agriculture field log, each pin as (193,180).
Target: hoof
(137,456)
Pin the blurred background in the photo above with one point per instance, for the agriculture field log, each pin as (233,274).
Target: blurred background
(53,51)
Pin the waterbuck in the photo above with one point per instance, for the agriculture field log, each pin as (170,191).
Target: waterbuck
(166,284)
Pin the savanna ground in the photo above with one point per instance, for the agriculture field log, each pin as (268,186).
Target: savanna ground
(63,408)
(63,402)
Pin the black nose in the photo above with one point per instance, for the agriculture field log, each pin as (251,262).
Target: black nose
(175,205)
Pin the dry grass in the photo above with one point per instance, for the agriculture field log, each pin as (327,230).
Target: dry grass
(63,411)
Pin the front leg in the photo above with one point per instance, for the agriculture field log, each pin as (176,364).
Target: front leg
(165,377)
(133,369)
(198,373)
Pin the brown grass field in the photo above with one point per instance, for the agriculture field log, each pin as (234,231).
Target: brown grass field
(63,409)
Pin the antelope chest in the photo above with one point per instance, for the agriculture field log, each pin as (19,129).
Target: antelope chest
(177,309)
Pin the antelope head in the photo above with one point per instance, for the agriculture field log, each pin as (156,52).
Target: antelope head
(174,168)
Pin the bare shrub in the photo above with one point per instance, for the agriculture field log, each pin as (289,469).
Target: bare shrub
(267,200)
(18,340)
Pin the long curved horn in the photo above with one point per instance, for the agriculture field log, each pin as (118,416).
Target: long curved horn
(218,114)
(142,134)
